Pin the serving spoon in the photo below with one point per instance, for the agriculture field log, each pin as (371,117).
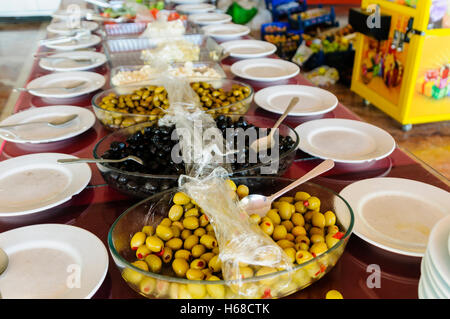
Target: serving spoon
(100,160)
(260,204)
(62,121)
(71,86)
(266,142)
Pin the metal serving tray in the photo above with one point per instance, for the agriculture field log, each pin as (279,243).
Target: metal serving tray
(127,51)
(135,29)
(213,65)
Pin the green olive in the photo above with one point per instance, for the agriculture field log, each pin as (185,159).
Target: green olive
(191,212)
(181,199)
(331,240)
(297,219)
(180,266)
(190,242)
(183,254)
(285,210)
(174,243)
(147,285)
(330,218)
(164,232)
(148,230)
(198,264)
(175,212)
(274,216)
(215,264)
(208,241)
(207,256)
(200,231)
(298,230)
(167,255)
(267,226)
(137,240)
(301,196)
(154,244)
(198,250)
(194,274)
(303,256)
(185,234)
(313,203)
(318,248)
(288,225)
(154,263)
(242,191)
(142,252)
(215,291)
(279,232)
(191,222)
(318,220)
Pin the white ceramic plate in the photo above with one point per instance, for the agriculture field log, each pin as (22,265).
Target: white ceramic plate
(396,214)
(427,287)
(436,274)
(421,292)
(52,261)
(65,14)
(42,133)
(265,69)
(62,64)
(94,82)
(78,44)
(245,49)
(312,100)
(435,281)
(63,27)
(345,141)
(227,31)
(437,246)
(209,18)
(191,8)
(188,1)
(35,182)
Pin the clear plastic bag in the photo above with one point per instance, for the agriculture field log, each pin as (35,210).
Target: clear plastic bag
(203,149)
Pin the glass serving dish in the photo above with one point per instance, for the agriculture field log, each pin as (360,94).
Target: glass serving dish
(133,29)
(165,285)
(128,50)
(143,185)
(113,120)
(195,66)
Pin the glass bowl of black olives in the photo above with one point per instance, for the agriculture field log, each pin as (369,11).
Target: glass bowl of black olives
(154,144)
(125,106)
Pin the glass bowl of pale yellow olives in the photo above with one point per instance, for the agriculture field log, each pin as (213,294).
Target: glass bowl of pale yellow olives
(165,246)
(125,106)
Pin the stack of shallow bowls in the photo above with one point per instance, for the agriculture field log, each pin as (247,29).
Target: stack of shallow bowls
(435,268)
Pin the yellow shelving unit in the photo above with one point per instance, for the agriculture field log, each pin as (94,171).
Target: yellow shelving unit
(411,84)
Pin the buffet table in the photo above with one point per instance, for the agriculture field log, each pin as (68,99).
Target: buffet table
(98,206)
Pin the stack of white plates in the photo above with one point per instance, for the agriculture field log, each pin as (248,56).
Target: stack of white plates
(435,268)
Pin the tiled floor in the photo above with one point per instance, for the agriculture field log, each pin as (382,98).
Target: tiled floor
(429,142)
(19,41)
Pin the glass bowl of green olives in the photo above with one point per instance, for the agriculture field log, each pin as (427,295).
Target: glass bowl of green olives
(154,144)
(124,106)
(165,247)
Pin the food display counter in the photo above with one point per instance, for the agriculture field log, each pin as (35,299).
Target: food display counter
(406,74)
(98,206)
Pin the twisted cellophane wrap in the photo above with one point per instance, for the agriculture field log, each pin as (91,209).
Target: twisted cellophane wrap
(241,242)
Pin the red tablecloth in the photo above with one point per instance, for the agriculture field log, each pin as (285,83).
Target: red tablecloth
(98,206)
